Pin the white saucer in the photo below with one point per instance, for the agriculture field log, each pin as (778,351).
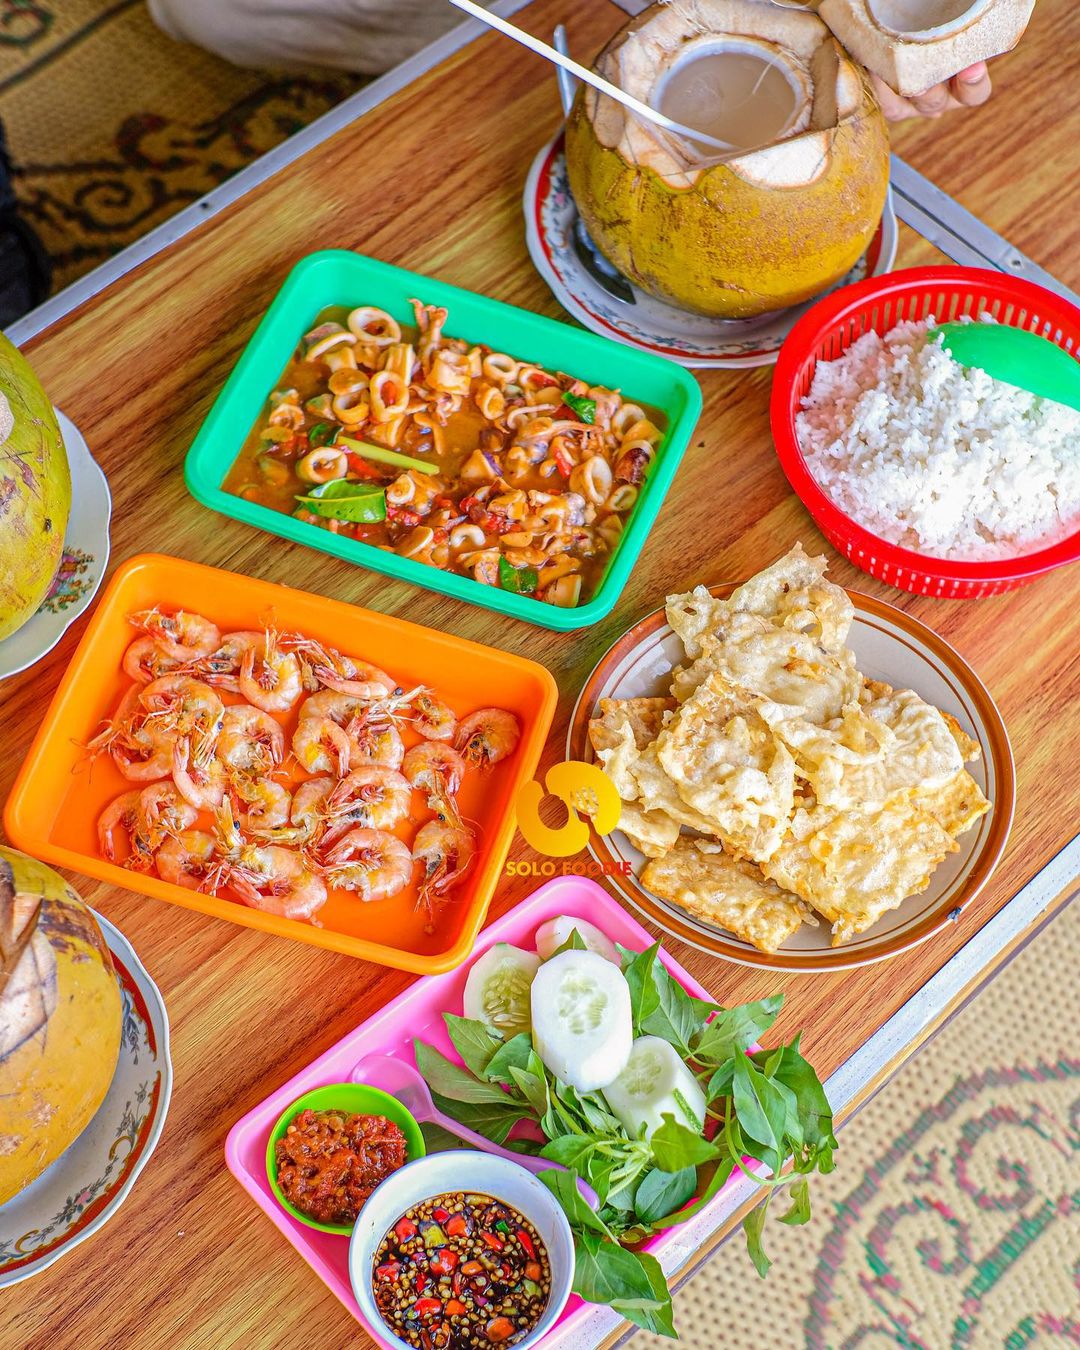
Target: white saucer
(650,325)
(81,1191)
(86,555)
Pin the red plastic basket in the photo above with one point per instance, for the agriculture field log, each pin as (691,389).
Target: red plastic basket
(880,303)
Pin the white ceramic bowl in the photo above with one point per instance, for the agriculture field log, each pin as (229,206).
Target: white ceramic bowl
(446,1173)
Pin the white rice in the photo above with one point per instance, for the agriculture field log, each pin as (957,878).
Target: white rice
(942,460)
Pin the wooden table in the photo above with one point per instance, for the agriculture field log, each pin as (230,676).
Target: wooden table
(190,1262)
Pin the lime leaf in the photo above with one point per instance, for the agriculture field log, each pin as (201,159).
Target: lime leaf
(343,499)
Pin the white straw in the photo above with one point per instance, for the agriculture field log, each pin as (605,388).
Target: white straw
(597,81)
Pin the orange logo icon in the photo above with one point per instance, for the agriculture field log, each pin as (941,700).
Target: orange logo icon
(585,790)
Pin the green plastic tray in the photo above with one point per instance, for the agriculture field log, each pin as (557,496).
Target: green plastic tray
(338,277)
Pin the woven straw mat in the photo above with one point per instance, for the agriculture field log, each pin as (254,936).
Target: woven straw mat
(113,126)
(952,1221)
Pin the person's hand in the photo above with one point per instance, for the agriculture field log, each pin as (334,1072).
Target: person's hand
(967,89)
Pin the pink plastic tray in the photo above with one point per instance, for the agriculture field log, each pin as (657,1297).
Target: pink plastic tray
(418,1013)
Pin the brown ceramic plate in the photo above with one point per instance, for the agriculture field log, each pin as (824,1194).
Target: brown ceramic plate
(891,646)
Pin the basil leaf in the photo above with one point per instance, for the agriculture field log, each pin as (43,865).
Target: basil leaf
(660,1319)
(736,1029)
(512,1054)
(811,1104)
(584,407)
(761,1106)
(799,1213)
(494,1120)
(604,1272)
(637,967)
(563,1186)
(662,1193)
(591,1109)
(570,1150)
(675,1146)
(574,943)
(519,580)
(678,1017)
(451,1080)
(473,1042)
(533,1088)
(716,1183)
(344,499)
(753,1225)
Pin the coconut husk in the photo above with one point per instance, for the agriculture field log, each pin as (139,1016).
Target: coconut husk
(911,62)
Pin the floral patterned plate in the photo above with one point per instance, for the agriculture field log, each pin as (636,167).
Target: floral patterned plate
(88,1183)
(690,339)
(86,553)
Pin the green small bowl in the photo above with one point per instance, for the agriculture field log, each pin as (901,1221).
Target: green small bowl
(356,1099)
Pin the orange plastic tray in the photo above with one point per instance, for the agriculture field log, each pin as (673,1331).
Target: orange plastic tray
(53,809)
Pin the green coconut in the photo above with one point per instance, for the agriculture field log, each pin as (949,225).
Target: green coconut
(768,229)
(35,490)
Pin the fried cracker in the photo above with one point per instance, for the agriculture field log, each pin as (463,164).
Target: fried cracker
(703,879)
(854,866)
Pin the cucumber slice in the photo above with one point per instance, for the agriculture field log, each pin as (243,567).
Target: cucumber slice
(581,1020)
(552,935)
(497,990)
(655,1082)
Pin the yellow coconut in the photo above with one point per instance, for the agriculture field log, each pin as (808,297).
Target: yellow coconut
(60,1018)
(767,229)
(35,490)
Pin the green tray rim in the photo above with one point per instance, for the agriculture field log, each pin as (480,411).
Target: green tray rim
(290,313)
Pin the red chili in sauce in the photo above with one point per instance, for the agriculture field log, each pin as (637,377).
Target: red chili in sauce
(329,1162)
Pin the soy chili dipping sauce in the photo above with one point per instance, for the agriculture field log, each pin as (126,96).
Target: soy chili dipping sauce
(461,1272)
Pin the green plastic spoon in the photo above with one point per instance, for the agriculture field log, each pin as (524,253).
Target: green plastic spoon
(1017,357)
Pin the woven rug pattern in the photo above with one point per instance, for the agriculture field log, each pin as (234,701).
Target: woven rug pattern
(952,1221)
(113,126)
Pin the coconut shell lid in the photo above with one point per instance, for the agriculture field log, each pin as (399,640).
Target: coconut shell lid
(834,89)
(914,44)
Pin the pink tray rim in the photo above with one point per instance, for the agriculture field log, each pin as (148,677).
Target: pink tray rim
(563,894)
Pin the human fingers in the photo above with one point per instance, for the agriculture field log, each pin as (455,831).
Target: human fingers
(933,101)
(893,105)
(971,87)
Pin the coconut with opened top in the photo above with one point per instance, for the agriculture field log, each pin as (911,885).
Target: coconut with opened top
(777,223)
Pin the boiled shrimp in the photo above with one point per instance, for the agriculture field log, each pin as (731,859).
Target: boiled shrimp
(270,678)
(486,736)
(366,681)
(221,667)
(276,880)
(269,878)
(144,660)
(374,863)
(263,805)
(371,796)
(122,820)
(445,851)
(184,636)
(250,741)
(433,718)
(141,751)
(189,859)
(374,741)
(437,769)
(339,708)
(183,706)
(165,811)
(199,777)
(321,746)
